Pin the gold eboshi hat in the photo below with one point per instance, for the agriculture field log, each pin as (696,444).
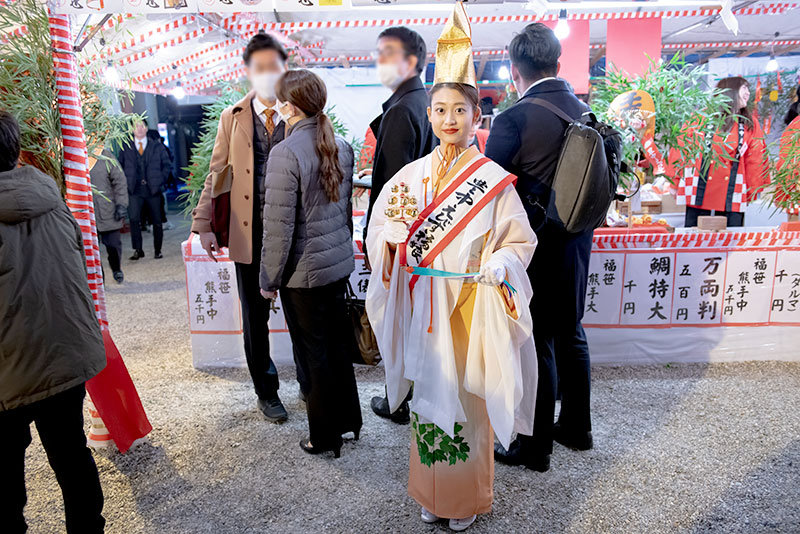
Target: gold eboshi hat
(454,51)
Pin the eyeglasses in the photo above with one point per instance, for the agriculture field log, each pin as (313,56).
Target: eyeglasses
(386,53)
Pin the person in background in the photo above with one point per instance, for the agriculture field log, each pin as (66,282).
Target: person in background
(51,342)
(307,254)
(110,207)
(794,107)
(247,132)
(402,131)
(169,183)
(742,172)
(146,166)
(526,140)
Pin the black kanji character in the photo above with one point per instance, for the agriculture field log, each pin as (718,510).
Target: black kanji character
(712,264)
(657,311)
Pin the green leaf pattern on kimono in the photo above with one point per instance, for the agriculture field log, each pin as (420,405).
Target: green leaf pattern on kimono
(434,445)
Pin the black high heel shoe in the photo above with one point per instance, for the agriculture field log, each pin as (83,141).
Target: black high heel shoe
(306,445)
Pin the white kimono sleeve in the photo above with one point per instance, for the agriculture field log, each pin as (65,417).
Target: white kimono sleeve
(501,362)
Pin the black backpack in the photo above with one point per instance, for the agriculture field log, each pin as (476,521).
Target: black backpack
(587,174)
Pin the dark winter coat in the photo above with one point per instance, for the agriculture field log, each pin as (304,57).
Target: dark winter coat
(526,140)
(111,190)
(154,169)
(307,238)
(403,134)
(50,339)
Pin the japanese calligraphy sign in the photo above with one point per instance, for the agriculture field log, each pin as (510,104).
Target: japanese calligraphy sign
(213,297)
(359,278)
(688,283)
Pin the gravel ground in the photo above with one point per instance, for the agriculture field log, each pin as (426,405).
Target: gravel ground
(691,448)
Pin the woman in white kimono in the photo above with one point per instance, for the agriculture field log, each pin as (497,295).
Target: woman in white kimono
(448,299)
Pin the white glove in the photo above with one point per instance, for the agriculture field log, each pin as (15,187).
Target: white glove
(492,273)
(395,232)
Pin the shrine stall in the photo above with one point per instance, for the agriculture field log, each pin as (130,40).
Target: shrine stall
(694,297)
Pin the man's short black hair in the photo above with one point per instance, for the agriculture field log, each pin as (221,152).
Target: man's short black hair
(413,44)
(9,141)
(263,41)
(535,51)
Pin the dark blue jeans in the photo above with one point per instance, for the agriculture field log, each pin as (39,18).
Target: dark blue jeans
(59,420)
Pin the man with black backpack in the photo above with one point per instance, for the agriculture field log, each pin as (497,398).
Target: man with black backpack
(527,141)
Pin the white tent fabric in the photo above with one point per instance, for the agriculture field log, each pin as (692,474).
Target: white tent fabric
(356,94)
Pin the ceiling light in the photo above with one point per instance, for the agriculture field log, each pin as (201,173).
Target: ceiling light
(503,73)
(110,73)
(772,64)
(562,27)
(178,92)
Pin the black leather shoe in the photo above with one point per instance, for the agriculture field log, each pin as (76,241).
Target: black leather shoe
(119,277)
(307,446)
(577,441)
(514,456)
(158,255)
(138,254)
(380,405)
(273,410)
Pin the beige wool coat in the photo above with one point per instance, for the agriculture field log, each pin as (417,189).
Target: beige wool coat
(234,137)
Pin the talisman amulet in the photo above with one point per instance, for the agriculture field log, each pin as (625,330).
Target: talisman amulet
(402,205)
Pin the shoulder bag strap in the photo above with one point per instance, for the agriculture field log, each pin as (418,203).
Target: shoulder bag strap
(553,108)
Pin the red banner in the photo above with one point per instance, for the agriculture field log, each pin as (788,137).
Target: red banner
(575,55)
(631,43)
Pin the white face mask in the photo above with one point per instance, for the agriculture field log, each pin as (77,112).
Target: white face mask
(284,116)
(264,84)
(390,75)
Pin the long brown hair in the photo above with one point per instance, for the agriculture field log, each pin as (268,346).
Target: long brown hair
(307,92)
(731,87)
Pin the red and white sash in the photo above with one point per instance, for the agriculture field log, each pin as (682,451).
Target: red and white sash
(450,212)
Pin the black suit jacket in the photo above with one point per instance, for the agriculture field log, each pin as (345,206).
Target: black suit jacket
(526,141)
(403,134)
(157,166)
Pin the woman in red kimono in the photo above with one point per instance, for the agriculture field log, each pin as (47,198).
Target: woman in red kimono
(741,171)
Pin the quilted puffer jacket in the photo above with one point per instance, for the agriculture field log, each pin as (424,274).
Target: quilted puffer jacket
(307,238)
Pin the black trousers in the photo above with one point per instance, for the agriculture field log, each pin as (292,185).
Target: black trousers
(558,273)
(255,315)
(112,240)
(136,205)
(59,420)
(735,218)
(317,321)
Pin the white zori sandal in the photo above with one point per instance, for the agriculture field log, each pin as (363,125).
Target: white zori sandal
(428,517)
(462,524)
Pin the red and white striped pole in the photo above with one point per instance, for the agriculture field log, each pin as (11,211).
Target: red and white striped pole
(76,176)
(76,164)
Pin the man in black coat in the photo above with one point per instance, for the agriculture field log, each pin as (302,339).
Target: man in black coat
(403,132)
(526,140)
(147,166)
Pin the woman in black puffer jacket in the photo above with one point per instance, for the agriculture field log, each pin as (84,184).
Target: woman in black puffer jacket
(308,254)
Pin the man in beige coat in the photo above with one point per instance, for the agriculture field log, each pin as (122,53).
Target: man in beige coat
(247,132)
